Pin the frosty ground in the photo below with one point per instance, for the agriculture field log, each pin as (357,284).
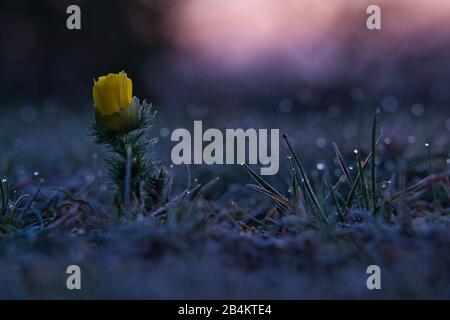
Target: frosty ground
(230,241)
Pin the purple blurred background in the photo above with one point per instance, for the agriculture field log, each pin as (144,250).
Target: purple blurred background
(234,53)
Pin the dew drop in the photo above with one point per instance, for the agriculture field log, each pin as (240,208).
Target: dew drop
(320,166)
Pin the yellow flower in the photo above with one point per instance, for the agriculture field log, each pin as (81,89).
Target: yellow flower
(112,93)
(116,109)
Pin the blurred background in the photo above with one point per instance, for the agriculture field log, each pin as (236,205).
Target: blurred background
(308,67)
(228,53)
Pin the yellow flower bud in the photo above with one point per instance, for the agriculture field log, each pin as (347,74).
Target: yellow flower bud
(115,108)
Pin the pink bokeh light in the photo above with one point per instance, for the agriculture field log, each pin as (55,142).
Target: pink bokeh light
(319,39)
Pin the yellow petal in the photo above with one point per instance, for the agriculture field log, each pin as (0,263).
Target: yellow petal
(103,93)
(125,90)
(112,93)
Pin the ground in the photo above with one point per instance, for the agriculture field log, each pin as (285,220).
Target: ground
(232,242)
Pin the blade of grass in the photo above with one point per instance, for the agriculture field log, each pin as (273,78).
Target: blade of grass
(342,164)
(374,164)
(245,213)
(33,198)
(363,182)
(307,200)
(294,185)
(335,187)
(39,218)
(174,201)
(352,193)
(284,202)
(263,183)
(424,183)
(201,191)
(4,195)
(309,189)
